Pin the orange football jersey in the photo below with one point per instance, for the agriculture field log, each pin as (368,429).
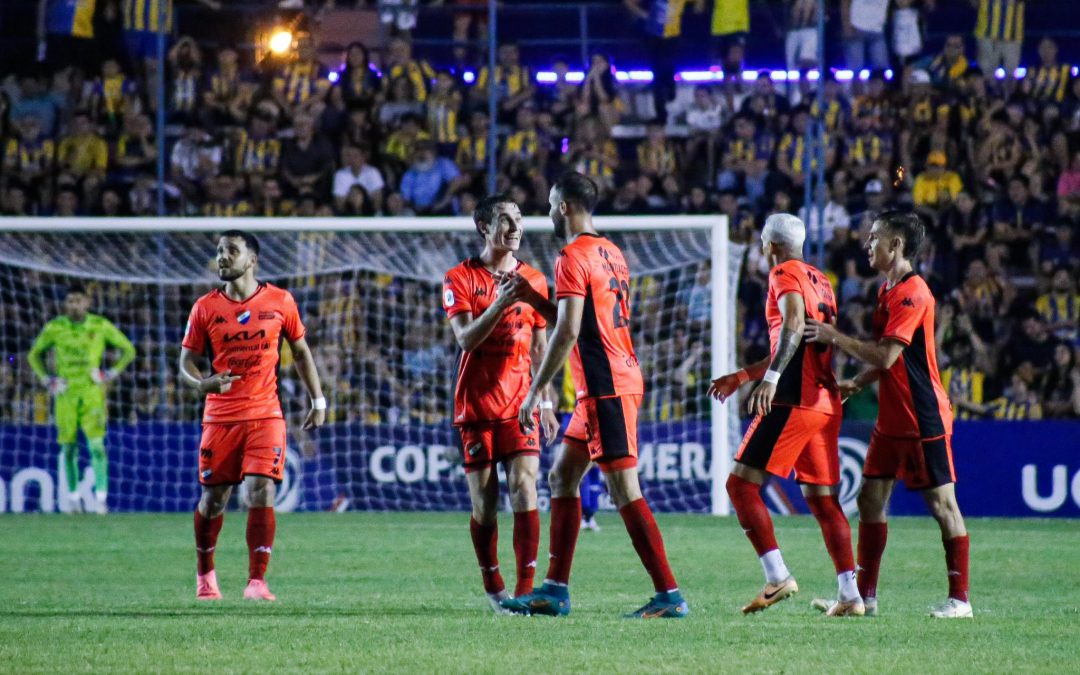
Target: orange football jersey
(243,337)
(912,402)
(494,378)
(808,380)
(603,362)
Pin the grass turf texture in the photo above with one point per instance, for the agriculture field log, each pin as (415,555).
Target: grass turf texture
(401,592)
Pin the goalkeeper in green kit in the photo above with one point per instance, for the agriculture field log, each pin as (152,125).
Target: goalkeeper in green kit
(79,340)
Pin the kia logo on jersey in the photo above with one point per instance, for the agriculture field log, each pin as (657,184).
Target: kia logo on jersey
(244,316)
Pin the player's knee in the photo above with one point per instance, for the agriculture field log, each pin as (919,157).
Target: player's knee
(870,506)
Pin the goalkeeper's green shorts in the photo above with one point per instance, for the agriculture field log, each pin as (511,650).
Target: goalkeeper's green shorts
(80,407)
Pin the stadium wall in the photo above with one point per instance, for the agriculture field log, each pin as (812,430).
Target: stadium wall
(1023,469)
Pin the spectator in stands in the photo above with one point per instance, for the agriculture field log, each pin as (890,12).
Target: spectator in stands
(998,154)
(400,101)
(599,93)
(657,157)
(593,153)
(1016,221)
(443,110)
(67,202)
(869,150)
(836,217)
(307,160)
(965,382)
(523,157)
(1059,251)
(512,81)
(936,187)
(1033,344)
(1049,80)
(31,156)
(1068,186)
(136,150)
(864,33)
(947,68)
(355,170)
(472,150)
(270,200)
(15,201)
(745,162)
(400,63)
(359,85)
(227,95)
(113,94)
(792,158)
(1061,386)
(83,155)
(1060,306)
(195,158)
(111,204)
(907,29)
(224,199)
(30,97)
(801,37)
(303,85)
(185,81)
(661,22)
(984,296)
(999,32)
(729,29)
(431,182)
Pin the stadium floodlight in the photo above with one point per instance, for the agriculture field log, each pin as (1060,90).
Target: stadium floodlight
(369,290)
(281,41)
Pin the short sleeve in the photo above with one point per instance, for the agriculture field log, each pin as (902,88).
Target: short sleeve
(906,313)
(571,276)
(782,281)
(292,326)
(195,335)
(456,297)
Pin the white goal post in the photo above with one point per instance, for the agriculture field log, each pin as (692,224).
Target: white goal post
(39,256)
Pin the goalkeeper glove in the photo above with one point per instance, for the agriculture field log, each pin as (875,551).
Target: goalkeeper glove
(55,385)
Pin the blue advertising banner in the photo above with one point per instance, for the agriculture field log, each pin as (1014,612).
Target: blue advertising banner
(1004,469)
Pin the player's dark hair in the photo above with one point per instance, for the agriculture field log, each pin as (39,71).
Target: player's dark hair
(908,226)
(578,189)
(75,288)
(487,209)
(249,239)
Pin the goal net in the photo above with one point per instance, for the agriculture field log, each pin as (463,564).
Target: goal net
(369,293)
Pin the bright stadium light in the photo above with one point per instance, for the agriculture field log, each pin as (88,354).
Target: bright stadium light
(281,41)
(469,76)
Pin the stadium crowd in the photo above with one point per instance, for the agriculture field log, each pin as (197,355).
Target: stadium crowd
(992,164)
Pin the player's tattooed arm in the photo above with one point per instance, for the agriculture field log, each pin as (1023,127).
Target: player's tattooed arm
(191,374)
(793,313)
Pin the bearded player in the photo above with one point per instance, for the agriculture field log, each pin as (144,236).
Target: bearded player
(78,340)
(797,420)
(911,440)
(502,338)
(592,327)
(239,327)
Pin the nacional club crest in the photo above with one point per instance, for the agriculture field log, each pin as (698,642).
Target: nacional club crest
(244,316)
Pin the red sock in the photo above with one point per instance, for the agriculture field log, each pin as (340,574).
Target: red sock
(752,513)
(956,560)
(526,543)
(485,541)
(261,526)
(872,538)
(648,543)
(206,534)
(565,526)
(835,529)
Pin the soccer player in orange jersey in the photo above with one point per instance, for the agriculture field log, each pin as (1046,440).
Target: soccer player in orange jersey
(911,440)
(592,327)
(239,328)
(502,338)
(797,420)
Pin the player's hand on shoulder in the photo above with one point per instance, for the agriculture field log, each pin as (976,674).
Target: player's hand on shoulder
(315,419)
(724,386)
(218,383)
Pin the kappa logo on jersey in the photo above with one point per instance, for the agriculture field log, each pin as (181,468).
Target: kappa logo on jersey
(220,319)
(480,292)
(244,316)
(206,453)
(907,302)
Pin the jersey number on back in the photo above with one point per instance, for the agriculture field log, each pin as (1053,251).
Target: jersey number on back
(620,316)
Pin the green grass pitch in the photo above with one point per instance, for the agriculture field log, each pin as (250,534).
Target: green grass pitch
(401,593)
